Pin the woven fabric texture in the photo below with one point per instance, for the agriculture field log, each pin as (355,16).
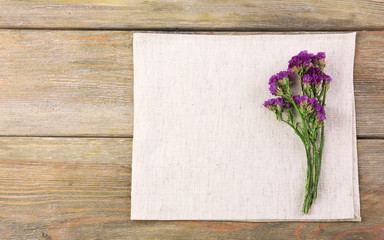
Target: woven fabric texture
(205,148)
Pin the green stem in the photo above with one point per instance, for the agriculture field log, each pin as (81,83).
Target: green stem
(303,123)
(296,130)
(318,165)
(307,144)
(315,172)
(320,153)
(308,184)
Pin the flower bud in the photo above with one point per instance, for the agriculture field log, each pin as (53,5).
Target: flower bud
(279,91)
(296,69)
(283,81)
(279,108)
(307,86)
(321,63)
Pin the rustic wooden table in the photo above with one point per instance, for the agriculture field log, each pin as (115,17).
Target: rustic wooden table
(66,112)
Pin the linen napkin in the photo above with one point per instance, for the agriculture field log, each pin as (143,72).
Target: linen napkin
(205,148)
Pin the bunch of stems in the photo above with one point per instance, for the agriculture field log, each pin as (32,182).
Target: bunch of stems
(308,128)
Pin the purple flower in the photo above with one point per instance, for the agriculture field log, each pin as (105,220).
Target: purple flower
(327,77)
(303,59)
(269,102)
(276,80)
(312,101)
(307,78)
(300,100)
(319,55)
(306,57)
(322,117)
(318,107)
(313,75)
(283,103)
(294,63)
(273,79)
(272,88)
(296,99)
(280,101)
(283,74)
(310,104)
(311,68)
(275,103)
(319,111)
(318,60)
(272,84)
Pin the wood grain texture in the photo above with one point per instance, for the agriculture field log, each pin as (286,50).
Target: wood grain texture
(196,15)
(79,83)
(65,83)
(79,188)
(369,84)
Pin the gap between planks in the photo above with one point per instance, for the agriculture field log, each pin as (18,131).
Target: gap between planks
(197,30)
(359,137)
(64,136)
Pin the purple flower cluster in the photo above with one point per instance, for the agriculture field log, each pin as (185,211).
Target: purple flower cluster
(314,75)
(308,70)
(304,59)
(311,104)
(277,79)
(277,102)
(319,56)
(327,77)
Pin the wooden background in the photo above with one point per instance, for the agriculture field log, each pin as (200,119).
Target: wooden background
(66,112)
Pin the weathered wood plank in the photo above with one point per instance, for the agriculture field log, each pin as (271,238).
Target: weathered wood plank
(63,188)
(79,83)
(65,83)
(369,84)
(77,188)
(197,15)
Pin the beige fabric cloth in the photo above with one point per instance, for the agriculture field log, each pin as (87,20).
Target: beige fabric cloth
(205,148)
